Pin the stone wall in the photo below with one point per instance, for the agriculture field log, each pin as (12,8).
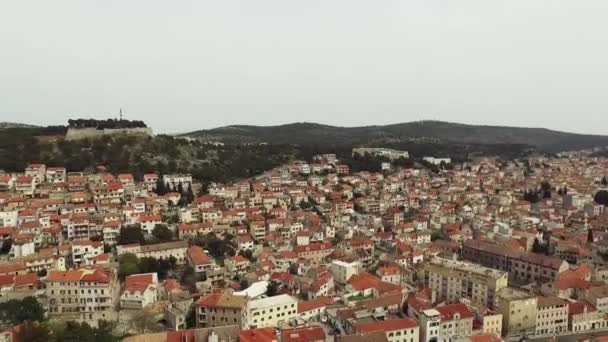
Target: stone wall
(82,133)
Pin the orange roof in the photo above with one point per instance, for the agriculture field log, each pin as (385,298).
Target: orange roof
(258,335)
(303,334)
(448,311)
(198,256)
(313,304)
(390,325)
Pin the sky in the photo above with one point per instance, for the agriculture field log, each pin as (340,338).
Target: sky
(186,65)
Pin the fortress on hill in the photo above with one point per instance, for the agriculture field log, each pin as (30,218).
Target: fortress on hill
(91,128)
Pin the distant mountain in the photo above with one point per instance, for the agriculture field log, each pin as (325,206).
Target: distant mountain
(15,125)
(419,131)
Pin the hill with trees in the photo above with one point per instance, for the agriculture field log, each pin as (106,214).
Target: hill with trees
(419,131)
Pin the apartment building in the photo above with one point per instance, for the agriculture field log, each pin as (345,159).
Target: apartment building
(453,280)
(446,322)
(221,309)
(551,316)
(518,309)
(83,251)
(274,311)
(83,294)
(520,265)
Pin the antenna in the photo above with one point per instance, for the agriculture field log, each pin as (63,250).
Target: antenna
(120,114)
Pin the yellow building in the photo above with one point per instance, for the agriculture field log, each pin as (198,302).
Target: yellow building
(453,280)
(518,309)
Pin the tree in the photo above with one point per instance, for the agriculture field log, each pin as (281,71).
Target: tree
(6,246)
(33,332)
(601,197)
(162,233)
(589,235)
(190,195)
(160,186)
(128,264)
(244,284)
(189,276)
(605,181)
(294,268)
(17,311)
(272,289)
(131,234)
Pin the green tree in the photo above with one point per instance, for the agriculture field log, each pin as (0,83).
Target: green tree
(272,289)
(128,264)
(17,311)
(162,233)
(601,197)
(131,234)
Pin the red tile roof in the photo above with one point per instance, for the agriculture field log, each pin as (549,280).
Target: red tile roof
(389,325)
(303,334)
(258,335)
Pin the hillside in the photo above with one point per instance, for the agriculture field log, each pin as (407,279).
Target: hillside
(428,131)
(4,125)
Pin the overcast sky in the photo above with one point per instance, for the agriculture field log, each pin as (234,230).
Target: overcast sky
(186,65)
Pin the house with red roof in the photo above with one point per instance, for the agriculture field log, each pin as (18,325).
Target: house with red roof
(583,316)
(237,264)
(303,334)
(315,252)
(404,329)
(199,259)
(313,308)
(258,335)
(139,291)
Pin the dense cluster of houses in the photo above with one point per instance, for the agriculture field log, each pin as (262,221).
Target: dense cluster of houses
(317,252)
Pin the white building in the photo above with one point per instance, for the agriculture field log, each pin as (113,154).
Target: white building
(175,179)
(437,161)
(140,291)
(342,271)
(272,312)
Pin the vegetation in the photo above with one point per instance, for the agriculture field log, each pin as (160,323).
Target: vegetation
(420,131)
(17,311)
(105,124)
(129,264)
(601,197)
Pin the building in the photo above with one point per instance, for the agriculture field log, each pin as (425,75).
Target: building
(315,252)
(453,280)
(342,271)
(165,250)
(83,294)
(140,291)
(518,309)
(303,334)
(380,152)
(221,309)
(551,316)
(274,311)
(520,265)
(56,174)
(396,330)
(173,181)
(83,251)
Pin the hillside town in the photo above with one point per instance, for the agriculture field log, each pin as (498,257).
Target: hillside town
(482,251)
